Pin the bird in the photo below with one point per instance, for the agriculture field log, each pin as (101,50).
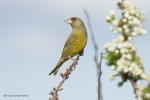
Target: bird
(75,43)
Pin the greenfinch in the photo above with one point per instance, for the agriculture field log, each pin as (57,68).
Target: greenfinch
(75,43)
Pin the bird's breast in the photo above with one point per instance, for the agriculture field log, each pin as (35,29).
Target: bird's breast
(80,42)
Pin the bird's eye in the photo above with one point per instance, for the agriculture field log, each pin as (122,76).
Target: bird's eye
(73,19)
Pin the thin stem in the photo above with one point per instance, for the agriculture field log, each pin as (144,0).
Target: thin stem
(92,35)
(134,85)
(96,55)
(100,97)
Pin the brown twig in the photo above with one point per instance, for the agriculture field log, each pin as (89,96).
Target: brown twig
(54,93)
(96,55)
(99,79)
(134,85)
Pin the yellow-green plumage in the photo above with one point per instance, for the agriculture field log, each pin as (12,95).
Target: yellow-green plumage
(75,44)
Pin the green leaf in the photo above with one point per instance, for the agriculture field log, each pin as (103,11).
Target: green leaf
(147,89)
(120,84)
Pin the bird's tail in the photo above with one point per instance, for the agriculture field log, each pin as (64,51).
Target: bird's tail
(55,70)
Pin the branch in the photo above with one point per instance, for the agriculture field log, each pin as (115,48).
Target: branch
(134,85)
(54,93)
(92,35)
(99,79)
(98,63)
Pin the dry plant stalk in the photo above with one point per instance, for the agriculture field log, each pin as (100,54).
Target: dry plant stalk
(54,93)
(96,56)
(135,88)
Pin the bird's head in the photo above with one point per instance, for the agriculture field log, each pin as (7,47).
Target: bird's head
(75,22)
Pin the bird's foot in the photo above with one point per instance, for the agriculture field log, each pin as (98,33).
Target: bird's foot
(74,61)
(65,75)
(62,75)
(81,53)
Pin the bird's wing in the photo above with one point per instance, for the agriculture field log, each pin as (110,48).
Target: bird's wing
(72,38)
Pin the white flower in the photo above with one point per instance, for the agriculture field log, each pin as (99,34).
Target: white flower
(116,51)
(111,18)
(132,11)
(108,18)
(133,33)
(113,67)
(129,56)
(126,15)
(140,92)
(124,56)
(130,23)
(143,75)
(124,50)
(127,44)
(130,38)
(139,98)
(125,26)
(119,30)
(112,77)
(130,69)
(148,77)
(112,12)
(115,22)
(136,21)
(139,30)
(134,65)
(119,63)
(125,69)
(138,15)
(111,49)
(130,17)
(120,68)
(127,31)
(137,71)
(119,46)
(114,30)
(142,32)
(127,4)
(121,38)
(123,65)
(124,20)
(106,45)
(147,95)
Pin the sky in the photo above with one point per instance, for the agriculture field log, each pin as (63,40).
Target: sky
(32,35)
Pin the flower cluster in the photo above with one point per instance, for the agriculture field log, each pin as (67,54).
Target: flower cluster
(122,57)
(144,93)
(129,23)
(121,53)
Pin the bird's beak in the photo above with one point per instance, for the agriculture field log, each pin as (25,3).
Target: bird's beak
(68,21)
